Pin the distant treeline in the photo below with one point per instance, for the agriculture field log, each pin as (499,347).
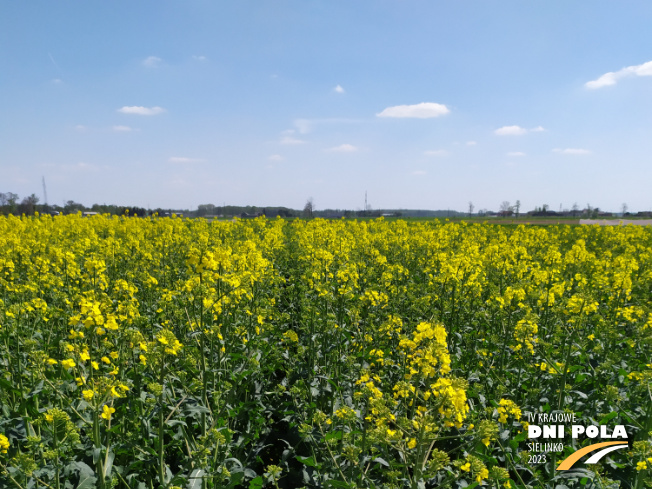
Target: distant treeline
(11,203)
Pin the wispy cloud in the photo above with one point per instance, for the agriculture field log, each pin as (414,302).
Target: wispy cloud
(199,58)
(436,152)
(289,140)
(275,158)
(572,151)
(57,81)
(140,110)
(80,166)
(471,143)
(122,129)
(338,89)
(516,153)
(425,110)
(343,148)
(612,77)
(304,126)
(183,159)
(81,128)
(152,62)
(516,130)
(54,63)
(419,172)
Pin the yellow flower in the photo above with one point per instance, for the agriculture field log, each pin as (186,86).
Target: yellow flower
(591,337)
(641,466)
(95,365)
(114,354)
(483,474)
(143,359)
(52,361)
(4,443)
(84,356)
(466,467)
(106,412)
(412,443)
(106,360)
(69,363)
(88,394)
(49,418)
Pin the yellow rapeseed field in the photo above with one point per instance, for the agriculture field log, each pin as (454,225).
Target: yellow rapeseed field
(169,352)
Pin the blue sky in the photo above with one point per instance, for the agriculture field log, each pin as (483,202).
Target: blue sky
(423,104)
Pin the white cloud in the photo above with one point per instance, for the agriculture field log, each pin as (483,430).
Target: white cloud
(152,61)
(471,143)
(122,128)
(423,110)
(139,110)
(80,166)
(344,148)
(276,158)
(289,140)
(338,89)
(612,77)
(81,128)
(183,159)
(510,131)
(515,153)
(57,81)
(199,58)
(572,151)
(516,130)
(419,172)
(304,126)
(436,152)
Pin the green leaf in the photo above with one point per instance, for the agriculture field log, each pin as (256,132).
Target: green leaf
(381,461)
(7,385)
(336,484)
(309,461)
(608,417)
(195,479)
(87,482)
(334,435)
(256,483)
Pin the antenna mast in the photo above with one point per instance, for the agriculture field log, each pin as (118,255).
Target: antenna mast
(45,192)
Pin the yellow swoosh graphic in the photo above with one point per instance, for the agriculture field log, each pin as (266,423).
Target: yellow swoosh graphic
(568,463)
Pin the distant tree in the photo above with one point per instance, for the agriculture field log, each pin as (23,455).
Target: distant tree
(471,207)
(8,202)
(517,207)
(309,208)
(506,209)
(28,205)
(206,210)
(544,208)
(72,207)
(575,209)
(624,208)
